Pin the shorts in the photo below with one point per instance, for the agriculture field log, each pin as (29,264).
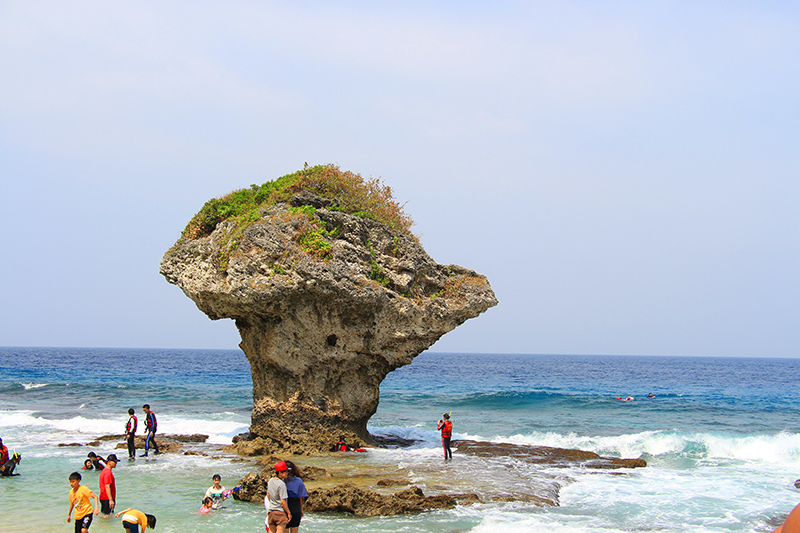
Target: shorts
(295,509)
(105,507)
(83,522)
(132,527)
(277,518)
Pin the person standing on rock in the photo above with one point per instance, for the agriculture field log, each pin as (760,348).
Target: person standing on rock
(150,426)
(278,514)
(446,427)
(130,433)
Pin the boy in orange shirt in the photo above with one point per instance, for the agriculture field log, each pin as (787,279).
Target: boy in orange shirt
(79,500)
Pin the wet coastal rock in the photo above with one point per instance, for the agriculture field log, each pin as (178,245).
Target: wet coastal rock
(347,498)
(364,491)
(321,330)
(545,455)
(168,443)
(365,502)
(253,486)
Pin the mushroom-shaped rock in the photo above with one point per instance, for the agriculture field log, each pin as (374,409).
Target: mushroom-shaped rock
(327,303)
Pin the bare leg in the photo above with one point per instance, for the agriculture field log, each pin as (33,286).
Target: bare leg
(792,523)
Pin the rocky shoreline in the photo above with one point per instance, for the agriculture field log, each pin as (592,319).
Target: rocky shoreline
(349,487)
(373,484)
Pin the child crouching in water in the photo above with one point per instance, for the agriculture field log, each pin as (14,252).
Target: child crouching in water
(132,520)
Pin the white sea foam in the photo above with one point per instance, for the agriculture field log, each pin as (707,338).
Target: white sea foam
(29,386)
(218,431)
(781,448)
(43,430)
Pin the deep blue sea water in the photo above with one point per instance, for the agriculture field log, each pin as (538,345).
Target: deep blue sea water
(722,436)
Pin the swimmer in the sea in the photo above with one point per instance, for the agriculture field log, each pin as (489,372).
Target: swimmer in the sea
(208,503)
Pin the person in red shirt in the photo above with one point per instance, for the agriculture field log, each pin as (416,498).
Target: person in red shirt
(108,486)
(446,427)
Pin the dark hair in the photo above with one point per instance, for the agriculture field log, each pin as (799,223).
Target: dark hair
(207,500)
(151,521)
(293,470)
(146,406)
(131,411)
(216,476)
(91,455)
(74,475)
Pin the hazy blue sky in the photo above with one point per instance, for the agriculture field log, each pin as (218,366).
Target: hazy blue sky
(627,174)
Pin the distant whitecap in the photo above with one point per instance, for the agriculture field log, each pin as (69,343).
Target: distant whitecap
(29,386)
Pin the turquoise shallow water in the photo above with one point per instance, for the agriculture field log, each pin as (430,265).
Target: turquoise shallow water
(722,438)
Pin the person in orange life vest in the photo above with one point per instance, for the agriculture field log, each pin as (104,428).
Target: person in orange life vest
(446,427)
(3,452)
(130,433)
(150,426)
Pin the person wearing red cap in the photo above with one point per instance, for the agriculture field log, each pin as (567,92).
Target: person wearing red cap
(278,514)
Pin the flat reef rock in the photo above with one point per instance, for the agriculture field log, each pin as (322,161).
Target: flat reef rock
(364,502)
(322,332)
(355,485)
(546,455)
(166,443)
(348,498)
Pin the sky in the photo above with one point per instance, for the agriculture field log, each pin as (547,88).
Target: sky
(626,174)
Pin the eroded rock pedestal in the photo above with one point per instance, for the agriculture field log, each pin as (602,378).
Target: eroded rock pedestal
(322,325)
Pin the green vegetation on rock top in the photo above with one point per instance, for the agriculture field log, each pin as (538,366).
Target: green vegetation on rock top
(353,194)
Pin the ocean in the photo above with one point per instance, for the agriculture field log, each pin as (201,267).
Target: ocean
(721,438)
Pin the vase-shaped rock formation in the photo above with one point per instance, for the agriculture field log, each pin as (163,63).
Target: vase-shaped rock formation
(327,304)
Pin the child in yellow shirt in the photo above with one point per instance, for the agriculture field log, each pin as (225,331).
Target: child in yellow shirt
(133,519)
(79,497)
